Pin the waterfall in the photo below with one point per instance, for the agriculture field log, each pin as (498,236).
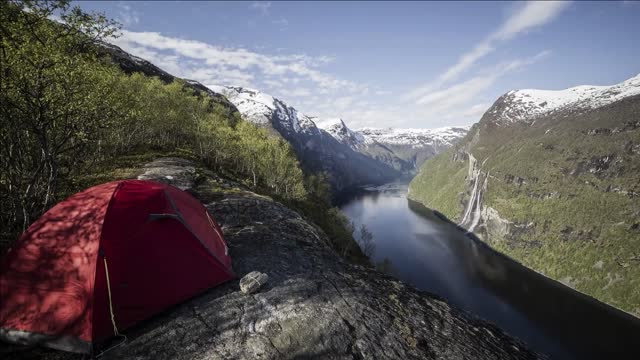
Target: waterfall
(478,203)
(472,214)
(472,200)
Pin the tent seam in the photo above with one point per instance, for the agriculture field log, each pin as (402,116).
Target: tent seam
(95,270)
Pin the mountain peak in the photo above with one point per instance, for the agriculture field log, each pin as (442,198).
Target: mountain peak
(444,136)
(328,122)
(528,104)
(331,138)
(262,108)
(340,131)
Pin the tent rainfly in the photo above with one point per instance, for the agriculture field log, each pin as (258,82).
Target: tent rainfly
(105,259)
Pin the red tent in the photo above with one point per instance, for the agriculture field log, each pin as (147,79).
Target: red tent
(105,259)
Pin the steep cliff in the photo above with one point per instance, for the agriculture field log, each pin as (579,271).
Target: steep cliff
(551,178)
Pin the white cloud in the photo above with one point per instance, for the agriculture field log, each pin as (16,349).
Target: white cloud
(274,84)
(261,6)
(458,93)
(467,60)
(126,15)
(532,14)
(264,9)
(343,102)
(294,92)
(245,63)
(449,98)
(529,16)
(475,111)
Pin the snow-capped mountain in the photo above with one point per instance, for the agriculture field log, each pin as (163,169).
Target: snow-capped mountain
(403,149)
(316,148)
(341,132)
(438,138)
(263,109)
(541,164)
(334,151)
(528,104)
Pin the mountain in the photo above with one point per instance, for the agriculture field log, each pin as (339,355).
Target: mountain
(341,132)
(317,150)
(415,145)
(364,145)
(349,158)
(403,149)
(132,64)
(551,179)
(527,105)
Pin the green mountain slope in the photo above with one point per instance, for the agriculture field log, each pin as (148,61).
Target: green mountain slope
(558,191)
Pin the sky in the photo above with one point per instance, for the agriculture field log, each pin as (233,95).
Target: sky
(385,64)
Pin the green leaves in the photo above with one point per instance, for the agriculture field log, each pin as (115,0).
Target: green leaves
(64,112)
(51,100)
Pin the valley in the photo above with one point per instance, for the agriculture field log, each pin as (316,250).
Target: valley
(424,249)
(330,170)
(551,179)
(349,158)
(572,216)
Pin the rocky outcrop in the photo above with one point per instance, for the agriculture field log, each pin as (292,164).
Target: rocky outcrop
(484,220)
(315,304)
(175,171)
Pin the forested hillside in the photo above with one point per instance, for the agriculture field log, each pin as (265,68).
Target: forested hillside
(552,183)
(71,118)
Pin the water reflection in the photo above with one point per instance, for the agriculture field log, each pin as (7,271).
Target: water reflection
(416,245)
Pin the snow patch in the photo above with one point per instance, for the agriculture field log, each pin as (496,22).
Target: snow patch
(527,104)
(261,108)
(340,131)
(445,136)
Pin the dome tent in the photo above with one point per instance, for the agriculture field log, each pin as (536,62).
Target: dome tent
(105,259)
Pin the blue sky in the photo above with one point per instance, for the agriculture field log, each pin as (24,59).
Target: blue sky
(400,64)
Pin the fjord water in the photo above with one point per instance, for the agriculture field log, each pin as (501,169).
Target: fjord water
(434,255)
